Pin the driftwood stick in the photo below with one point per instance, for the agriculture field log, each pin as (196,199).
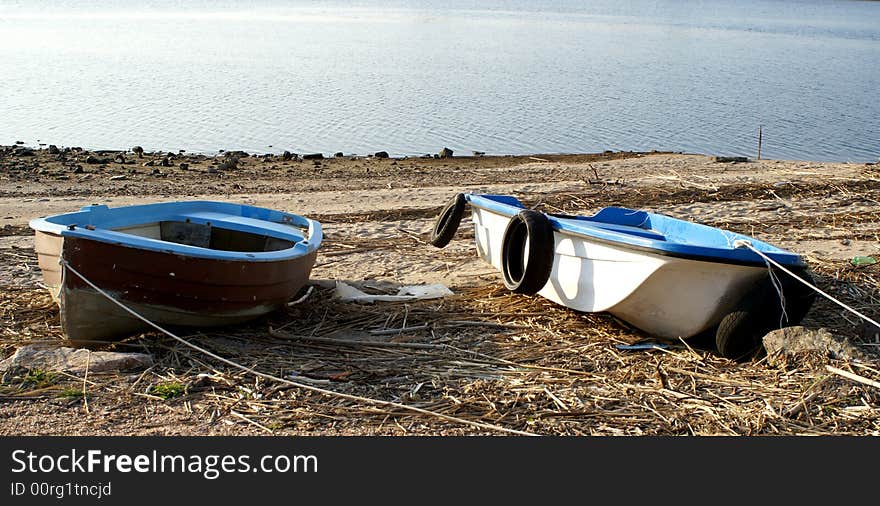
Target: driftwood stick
(355,342)
(855,377)
(386,332)
(415,237)
(85,382)
(467,323)
(13,398)
(799,406)
(248,420)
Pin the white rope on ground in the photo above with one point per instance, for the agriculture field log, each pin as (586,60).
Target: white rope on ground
(350,397)
(742,243)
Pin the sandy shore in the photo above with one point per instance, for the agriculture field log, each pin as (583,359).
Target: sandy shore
(377,214)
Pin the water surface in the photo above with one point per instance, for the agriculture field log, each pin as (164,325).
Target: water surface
(412,77)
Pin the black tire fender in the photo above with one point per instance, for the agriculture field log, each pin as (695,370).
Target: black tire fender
(740,332)
(527,252)
(448,221)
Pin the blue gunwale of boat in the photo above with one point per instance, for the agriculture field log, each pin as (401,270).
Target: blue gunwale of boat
(306,234)
(650,232)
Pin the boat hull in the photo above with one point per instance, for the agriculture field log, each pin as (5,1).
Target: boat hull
(166,288)
(663,295)
(48,249)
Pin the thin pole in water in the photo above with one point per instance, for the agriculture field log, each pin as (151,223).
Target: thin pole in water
(759,142)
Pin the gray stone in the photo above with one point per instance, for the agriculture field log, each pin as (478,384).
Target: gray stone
(230,164)
(53,149)
(139,151)
(798,343)
(445,153)
(93,160)
(73,360)
(731,159)
(313,156)
(381,154)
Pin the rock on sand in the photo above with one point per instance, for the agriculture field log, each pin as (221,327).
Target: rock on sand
(801,344)
(73,360)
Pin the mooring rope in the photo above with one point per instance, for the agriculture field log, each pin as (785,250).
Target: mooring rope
(743,243)
(777,285)
(323,391)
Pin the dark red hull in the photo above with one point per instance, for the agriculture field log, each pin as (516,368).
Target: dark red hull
(169,289)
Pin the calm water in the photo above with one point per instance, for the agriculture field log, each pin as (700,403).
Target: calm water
(412,77)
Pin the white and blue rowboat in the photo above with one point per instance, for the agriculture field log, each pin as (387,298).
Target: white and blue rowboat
(668,277)
(191,263)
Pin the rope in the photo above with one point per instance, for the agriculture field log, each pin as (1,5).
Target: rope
(743,243)
(777,285)
(323,391)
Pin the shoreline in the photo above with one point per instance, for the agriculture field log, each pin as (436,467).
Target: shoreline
(458,154)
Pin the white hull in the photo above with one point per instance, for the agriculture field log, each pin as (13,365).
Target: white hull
(667,297)
(48,249)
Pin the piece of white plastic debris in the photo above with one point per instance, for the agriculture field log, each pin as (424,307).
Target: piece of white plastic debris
(347,292)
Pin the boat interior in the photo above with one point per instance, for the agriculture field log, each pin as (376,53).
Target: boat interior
(206,235)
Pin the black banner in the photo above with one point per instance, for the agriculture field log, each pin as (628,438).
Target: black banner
(134,470)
